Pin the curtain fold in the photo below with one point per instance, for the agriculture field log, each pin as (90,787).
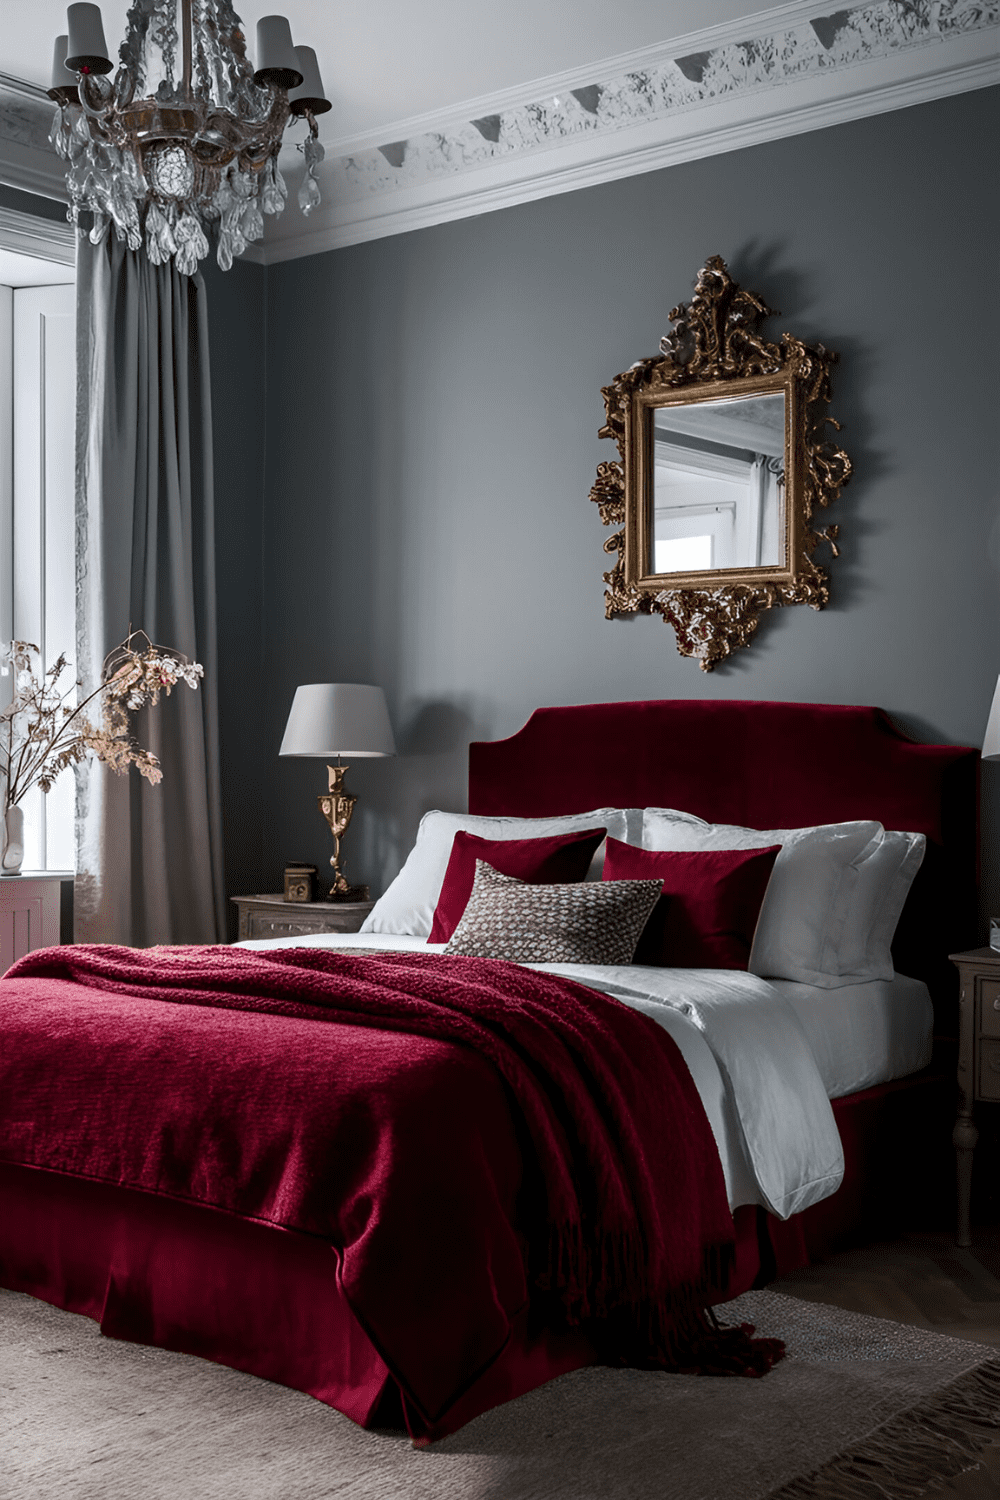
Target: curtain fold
(149,858)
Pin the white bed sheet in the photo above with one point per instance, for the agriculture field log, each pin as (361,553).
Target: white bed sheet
(864,1034)
(748,1055)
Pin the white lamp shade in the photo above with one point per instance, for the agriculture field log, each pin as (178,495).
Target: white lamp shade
(991,740)
(338,718)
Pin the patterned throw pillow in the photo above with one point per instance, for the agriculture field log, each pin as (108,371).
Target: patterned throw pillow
(583,923)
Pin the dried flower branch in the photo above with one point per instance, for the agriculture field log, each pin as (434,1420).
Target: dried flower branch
(42,731)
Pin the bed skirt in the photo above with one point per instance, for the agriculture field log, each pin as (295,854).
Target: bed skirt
(267,1301)
(252,1296)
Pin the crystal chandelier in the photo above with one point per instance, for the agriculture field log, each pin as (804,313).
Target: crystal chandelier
(187,135)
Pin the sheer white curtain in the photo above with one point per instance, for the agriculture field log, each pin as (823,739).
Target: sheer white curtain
(149,858)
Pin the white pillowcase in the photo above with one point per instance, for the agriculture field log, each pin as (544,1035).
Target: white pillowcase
(833,899)
(408,905)
(884,881)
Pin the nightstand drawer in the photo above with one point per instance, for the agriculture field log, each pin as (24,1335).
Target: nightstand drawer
(989,1007)
(263,925)
(989,1070)
(274,917)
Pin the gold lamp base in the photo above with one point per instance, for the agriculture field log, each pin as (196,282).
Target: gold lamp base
(336,805)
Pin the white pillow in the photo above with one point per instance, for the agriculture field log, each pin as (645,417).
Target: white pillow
(884,881)
(833,899)
(408,905)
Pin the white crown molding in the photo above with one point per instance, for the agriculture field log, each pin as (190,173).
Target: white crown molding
(641,59)
(836,95)
(32,170)
(25,90)
(27,161)
(45,239)
(798,67)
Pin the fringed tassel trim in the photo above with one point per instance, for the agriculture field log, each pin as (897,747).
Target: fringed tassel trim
(604,1287)
(933,1442)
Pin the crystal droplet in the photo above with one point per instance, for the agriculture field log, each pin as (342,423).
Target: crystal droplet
(189,237)
(272,198)
(309,195)
(159,240)
(251,222)
(185,260)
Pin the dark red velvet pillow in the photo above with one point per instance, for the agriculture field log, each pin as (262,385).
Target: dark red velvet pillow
(558,860)
(711,900)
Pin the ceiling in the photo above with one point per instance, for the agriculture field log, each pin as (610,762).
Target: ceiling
(390,60)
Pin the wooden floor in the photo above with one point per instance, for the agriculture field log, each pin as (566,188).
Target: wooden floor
(926,1280)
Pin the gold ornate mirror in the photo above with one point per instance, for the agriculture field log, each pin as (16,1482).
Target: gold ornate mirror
(724,454)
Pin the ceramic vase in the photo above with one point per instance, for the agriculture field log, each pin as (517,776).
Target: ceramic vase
(13,841)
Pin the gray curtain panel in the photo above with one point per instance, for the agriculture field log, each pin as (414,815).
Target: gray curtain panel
(149,857)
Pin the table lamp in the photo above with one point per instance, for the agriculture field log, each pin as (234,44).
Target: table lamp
(330,719)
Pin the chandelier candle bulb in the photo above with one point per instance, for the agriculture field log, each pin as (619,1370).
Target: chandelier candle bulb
(276,60)
(87,51)
(310,94)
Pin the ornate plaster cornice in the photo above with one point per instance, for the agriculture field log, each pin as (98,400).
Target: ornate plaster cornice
(792,69)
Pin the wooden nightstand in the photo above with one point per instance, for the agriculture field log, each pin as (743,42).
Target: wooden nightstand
(273,916)
(978,1061)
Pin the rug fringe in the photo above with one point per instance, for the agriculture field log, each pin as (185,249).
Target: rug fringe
(934,1441)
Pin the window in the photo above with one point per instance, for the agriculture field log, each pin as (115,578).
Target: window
(685,554)
(37,572)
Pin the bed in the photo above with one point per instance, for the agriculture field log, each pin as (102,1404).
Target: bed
(190,1275)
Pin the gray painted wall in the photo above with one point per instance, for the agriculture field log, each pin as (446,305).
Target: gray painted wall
(433,403)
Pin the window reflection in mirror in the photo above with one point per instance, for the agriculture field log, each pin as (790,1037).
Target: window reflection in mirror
(718,499)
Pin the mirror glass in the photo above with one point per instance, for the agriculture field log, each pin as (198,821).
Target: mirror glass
(719,488)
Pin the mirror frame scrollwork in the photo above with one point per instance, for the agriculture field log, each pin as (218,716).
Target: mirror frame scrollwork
(716,351)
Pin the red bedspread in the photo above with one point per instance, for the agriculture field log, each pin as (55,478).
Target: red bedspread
(467,1135)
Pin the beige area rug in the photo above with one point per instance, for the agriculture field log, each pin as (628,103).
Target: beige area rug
(880,1410)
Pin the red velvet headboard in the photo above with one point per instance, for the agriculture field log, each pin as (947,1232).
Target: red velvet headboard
(763,765)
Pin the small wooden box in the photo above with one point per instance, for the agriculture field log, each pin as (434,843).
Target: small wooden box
(300,882)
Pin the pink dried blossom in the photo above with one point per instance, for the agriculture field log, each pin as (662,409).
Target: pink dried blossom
(41,733)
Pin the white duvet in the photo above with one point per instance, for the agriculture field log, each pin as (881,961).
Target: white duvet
(747,1053)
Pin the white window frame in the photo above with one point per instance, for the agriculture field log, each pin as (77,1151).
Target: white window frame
(27,453)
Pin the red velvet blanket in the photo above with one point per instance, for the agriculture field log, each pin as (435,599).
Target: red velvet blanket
(558,1153)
